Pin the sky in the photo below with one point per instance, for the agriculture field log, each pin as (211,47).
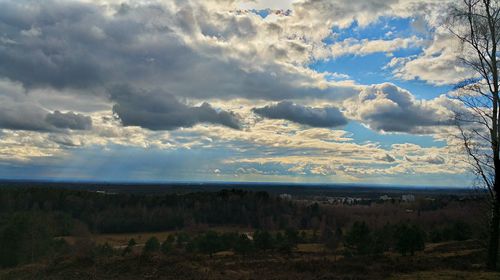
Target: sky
(310,91)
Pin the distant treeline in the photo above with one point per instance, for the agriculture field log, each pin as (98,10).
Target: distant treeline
(295,189)
(117,213)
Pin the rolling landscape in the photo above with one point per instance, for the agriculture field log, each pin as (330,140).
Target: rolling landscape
(249,139)
(243,231)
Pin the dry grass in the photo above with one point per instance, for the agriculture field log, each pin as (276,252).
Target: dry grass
(448,274)
(122,239)
(311,248)
(310,261)
(118,240)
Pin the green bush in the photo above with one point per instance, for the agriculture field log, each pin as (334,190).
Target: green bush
(152,245)
(209,243)
(130,246)
(167,246)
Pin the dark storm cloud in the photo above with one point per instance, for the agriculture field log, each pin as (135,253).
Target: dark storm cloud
(33,118)
(69,120)
(22,117)
(19,112)
(162,111)
(47,44)
(74,45)
(316,117)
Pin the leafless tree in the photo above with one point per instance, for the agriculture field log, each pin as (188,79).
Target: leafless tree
(476,23)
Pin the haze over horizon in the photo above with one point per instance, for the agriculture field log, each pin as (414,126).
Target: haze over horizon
(311,91)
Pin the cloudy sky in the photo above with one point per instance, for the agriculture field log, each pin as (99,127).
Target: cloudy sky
(319,91)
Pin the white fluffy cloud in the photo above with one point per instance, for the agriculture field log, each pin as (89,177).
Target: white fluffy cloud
(439,63)
(365,46)
(389,108)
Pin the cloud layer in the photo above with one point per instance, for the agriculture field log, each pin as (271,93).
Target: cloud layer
(315,117)
(19,112)
(193,50)
(96,78)
(162,111)
(69,120)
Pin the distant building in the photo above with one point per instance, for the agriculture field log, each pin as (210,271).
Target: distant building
(343,200)
(105,192)
(286,196)
(352,200)
(385,197)
(408,197)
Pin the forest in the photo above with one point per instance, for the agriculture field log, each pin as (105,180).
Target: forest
(47,225)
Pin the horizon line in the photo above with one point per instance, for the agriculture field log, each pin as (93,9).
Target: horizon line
(211,182)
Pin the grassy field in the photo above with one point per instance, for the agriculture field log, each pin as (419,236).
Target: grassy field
(122,239)
(450,260)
